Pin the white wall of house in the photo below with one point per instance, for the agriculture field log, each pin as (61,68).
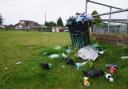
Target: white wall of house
(2,26)
(56,29)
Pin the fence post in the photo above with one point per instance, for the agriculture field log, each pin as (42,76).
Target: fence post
(109,20)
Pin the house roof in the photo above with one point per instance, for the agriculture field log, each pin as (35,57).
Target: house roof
(28,21)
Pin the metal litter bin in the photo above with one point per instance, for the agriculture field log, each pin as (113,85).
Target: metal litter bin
(79,33)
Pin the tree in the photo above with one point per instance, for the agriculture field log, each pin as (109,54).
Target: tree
(97,20)
(1,19)
(50,24)
(60,22)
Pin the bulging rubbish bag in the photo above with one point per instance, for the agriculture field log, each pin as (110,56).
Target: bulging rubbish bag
(88,53)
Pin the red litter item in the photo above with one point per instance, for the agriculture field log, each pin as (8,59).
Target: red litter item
(112,69)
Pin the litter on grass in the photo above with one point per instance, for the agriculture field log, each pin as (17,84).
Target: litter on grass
(93,73)
(100,52)
(5,68)
(109,77)
(88,53)
(61,56)
(64,55)
(78,65)
(69,61)
(54,56)
(45,53)
(69,50)
(91,52)
(19,62)
(86,82)
(63,66)
(112,68)
(57,48)
(124,57)
(111,65)
(98,48)
(57,52)
(45,65)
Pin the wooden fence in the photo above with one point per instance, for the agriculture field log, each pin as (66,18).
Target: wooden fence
(111,38)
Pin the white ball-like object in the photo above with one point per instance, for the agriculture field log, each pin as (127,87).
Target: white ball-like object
(108,76)
(111,79)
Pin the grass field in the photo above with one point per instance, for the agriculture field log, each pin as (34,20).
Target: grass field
(26,46)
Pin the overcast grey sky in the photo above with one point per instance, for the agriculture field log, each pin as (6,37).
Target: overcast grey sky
(15,10)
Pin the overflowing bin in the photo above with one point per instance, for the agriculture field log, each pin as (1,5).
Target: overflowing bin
(79,30)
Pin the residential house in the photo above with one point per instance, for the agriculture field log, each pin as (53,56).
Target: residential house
(9,27)
(26,24)
(59,29)
(2,27)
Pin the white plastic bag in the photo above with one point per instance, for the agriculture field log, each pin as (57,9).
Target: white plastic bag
(88,53)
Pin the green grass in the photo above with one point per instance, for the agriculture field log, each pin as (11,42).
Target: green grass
(26,47)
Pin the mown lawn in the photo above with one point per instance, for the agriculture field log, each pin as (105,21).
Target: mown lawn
(26,46)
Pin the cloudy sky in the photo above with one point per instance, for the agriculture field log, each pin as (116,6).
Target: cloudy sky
(15,10)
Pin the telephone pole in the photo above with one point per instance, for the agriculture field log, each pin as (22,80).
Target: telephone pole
(45,18)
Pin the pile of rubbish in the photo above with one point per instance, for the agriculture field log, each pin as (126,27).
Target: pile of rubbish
(111,70)
(79,18)
(57,52)
(78,27)
(18,62)
(88,54)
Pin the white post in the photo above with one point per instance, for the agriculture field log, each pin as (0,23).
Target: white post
(109,20)
(86,6)
(45,17)
(127,23)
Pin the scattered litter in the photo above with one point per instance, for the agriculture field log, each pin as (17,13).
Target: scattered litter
(57,48)
(101,52)
(95,45)
(109,77)
(86,82)
(69,50)
(93,73)
(61,56)
(54,56)
(124,57)
(110,65)
(88,53)
(63,66)
(46,65)
(78,65)
(45,53)
(69,61)
(112,68)
(57,52)
(19,62)
(5,68)
(64,55)
(81,17)
(98,48)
